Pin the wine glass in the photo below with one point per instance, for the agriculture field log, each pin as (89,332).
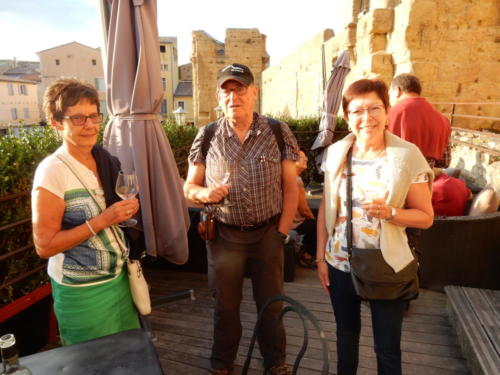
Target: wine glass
(372,188)
(221,177)
(127,187)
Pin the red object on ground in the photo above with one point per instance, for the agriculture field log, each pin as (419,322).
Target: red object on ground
(449,196)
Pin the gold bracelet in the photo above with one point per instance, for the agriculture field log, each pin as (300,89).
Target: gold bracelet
(319,260)
(90,228)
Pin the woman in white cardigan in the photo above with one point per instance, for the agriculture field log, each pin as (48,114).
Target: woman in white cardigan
(391,190)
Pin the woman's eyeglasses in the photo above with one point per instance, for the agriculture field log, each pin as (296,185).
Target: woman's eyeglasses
(80,120)
(372,111)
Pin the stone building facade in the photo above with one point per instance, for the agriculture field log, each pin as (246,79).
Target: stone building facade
(18,101)
(73,60)
(169,73)
(245,46)
(452,46)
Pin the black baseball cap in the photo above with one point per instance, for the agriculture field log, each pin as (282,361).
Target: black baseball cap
(236,72)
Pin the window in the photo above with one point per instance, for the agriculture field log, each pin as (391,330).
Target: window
(103,108)
(57,62)
(163,49)
(94,62)
(22,90)
(10,88)
(26,113)
(99,84)
(165,67)
(13,113)
(164,107)
(164,83)
(181,104)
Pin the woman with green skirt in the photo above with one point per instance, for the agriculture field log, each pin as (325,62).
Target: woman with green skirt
(86,249)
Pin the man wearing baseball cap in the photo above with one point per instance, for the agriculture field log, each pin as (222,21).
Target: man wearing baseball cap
(254,207)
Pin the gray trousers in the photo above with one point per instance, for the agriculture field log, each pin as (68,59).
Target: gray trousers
(228,256)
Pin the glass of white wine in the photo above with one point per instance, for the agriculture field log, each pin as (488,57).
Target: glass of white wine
(221,177)
(372,189)
(127,187)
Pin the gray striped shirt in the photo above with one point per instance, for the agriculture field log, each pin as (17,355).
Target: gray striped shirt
(256,191)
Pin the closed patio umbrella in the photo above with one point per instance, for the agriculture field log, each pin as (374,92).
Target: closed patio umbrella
(134,134)
(331,101)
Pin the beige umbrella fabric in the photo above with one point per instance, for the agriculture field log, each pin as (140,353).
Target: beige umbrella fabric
(134,134)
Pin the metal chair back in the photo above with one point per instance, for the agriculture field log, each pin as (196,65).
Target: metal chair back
(305,315)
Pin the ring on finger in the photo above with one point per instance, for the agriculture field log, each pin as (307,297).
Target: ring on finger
(128,212)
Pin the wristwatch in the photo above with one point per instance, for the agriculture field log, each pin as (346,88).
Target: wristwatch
(393,213)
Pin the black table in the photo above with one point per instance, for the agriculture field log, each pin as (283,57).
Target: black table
(125,353)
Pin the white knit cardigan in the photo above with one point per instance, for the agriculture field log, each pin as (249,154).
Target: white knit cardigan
(405,163)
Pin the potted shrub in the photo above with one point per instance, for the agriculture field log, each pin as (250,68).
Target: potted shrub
(23,278)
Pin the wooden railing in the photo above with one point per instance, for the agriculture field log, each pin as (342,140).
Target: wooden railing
(25,247)
(452,115)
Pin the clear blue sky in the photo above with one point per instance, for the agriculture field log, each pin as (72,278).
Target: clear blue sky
(29,26)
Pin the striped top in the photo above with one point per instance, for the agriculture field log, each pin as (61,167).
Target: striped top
(97,259)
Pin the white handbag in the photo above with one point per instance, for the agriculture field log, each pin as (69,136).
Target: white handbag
(139,288)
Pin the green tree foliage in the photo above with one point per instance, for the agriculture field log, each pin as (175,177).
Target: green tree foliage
(20,155)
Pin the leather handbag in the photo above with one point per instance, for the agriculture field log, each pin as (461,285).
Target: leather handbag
(139,288)
(207,226)
(372,277)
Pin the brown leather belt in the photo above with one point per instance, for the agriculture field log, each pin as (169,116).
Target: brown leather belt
(252,227)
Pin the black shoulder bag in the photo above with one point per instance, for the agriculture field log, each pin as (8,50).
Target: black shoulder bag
(372,277)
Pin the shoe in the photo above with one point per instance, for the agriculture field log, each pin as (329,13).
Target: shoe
(221,371)
(281,369)
(306,260)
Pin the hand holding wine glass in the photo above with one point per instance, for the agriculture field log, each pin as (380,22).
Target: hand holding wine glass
(221,178)
(127,187)
(375,193)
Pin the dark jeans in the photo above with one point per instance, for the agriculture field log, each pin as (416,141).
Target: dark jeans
(387,319)
(228,256)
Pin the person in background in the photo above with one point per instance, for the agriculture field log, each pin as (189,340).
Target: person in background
(86,259)
(391,190)
(260,201)
(449,195)
(413,119)
(304,222)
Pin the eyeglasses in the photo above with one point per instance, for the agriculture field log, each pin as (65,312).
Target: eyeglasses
(372,111)
(239,90)
(80,120)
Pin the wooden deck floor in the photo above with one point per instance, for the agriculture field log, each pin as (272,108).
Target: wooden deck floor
(183,329)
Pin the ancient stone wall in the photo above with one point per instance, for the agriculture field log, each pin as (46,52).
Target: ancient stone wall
(185,72)
(245,46)
(293,85)
(452,46)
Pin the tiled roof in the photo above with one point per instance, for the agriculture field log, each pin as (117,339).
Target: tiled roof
(167,39)
(5,78)
(184,88)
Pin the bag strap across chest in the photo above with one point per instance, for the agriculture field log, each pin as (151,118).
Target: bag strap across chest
(212,127)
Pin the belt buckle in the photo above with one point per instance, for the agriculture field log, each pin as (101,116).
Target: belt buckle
(246,227)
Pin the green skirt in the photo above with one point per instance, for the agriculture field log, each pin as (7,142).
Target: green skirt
(87,312)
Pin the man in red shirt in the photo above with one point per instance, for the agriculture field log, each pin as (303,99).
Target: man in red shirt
(414,119)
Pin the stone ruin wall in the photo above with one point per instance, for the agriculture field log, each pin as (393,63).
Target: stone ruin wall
(452,46)
(245,46)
